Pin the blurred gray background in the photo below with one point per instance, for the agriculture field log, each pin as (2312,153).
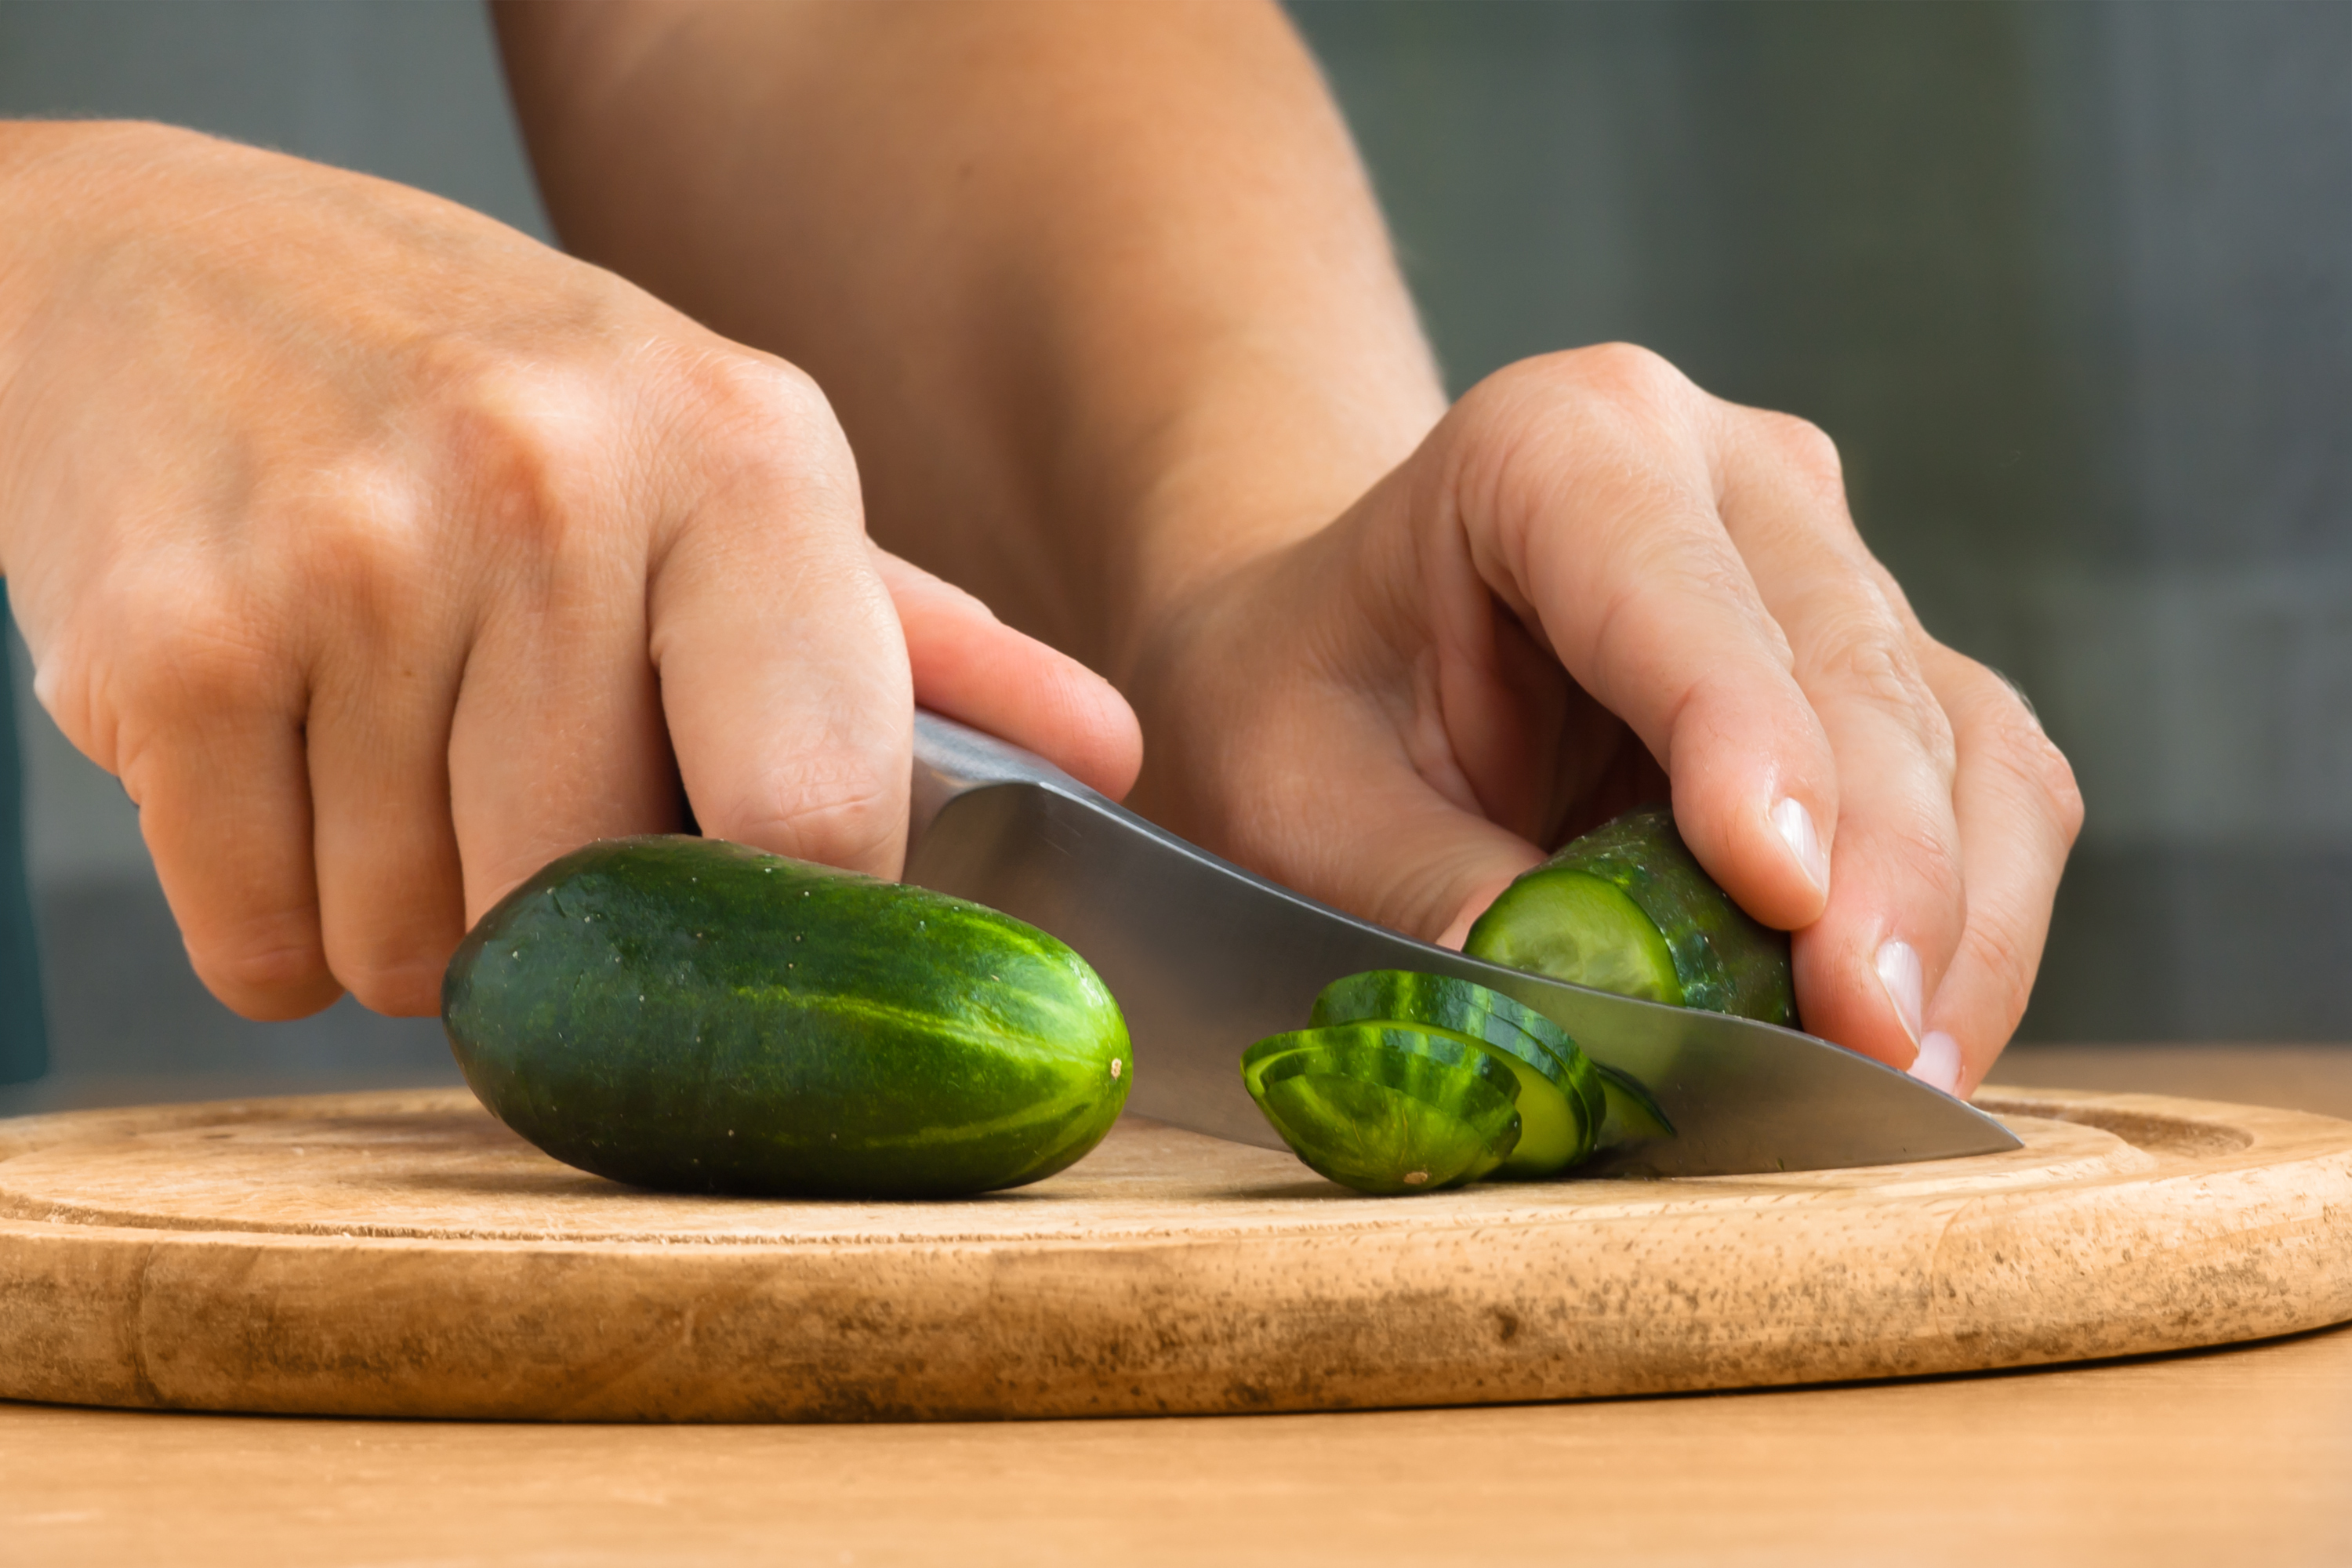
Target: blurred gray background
(2069,284)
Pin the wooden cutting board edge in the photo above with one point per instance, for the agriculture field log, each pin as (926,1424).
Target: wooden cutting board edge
(2234,1227)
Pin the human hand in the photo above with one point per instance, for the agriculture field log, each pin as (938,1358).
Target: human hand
(1591,581)
(384,554)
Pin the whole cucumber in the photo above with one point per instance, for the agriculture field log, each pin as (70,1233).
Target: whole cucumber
(692,1015)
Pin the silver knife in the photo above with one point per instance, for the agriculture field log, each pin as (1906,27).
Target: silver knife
(1206,958)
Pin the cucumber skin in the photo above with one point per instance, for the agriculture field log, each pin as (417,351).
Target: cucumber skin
(1412,996)
(1465,1096)
(1447,1004)
(690,1015)
(1726,961)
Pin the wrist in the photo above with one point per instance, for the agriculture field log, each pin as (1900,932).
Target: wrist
(63,209)
(1245,474)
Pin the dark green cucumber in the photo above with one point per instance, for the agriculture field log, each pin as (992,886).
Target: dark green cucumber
(695,1016)
(1627,909)
(1557,1123)
(1385,1108)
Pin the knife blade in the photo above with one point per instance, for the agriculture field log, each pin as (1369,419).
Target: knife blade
(1205,957)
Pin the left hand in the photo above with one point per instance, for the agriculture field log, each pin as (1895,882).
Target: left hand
(1593,583)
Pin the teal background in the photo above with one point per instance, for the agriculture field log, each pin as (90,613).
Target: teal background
(24,1031)
(2071,285)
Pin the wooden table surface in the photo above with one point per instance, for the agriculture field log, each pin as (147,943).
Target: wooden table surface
(2241,1454)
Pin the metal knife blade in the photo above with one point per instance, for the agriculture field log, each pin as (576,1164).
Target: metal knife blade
(1206,958)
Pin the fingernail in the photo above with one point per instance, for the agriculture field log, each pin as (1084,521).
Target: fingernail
(1906,983)
(1939,1061)
(1794,824)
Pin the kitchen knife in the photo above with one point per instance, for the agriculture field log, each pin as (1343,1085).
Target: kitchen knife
(1206,958)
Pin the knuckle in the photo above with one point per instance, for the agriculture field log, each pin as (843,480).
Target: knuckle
(840,813)
(199,657)
(265,973)
(524,449)
(1931,861)
(1603,385)
(2064,793)
(2008,734)
(2005,949)
(364,550)
(1859,651)
(1604,424)
(396,986)
(2044,775)
(84,682)
(760,414)
(1806,447)
(1628,372)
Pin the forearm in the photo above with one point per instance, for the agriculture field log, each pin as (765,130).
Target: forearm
(1098,291)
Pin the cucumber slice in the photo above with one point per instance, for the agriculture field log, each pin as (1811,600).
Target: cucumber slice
(1411,996)
(1628,909)
(1385,1108)
(1584,1076)
(1573,925)
(1558,1124)
(1553,1134)
(1632,1115)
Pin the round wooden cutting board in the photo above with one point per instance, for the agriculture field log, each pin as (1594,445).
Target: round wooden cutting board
(405,1255)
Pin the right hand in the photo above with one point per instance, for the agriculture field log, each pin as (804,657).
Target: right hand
(385,554)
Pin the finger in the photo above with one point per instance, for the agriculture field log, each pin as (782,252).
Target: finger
(391,898)
(223,804)
(2019,812)
(1591,506)
(970,666)
(783,669)
(1898,903)
(555,734)
(556,739)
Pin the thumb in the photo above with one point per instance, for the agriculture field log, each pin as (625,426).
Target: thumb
(972,668)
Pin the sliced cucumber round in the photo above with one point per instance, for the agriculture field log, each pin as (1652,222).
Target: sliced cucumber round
(1584,1076)
(1387,1109)
(1411,996)
(1628,909)
(1630,1114)
(1557,1122)
(1574,926)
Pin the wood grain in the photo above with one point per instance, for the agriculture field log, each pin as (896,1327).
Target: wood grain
(402,1255)
(2222,1457)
